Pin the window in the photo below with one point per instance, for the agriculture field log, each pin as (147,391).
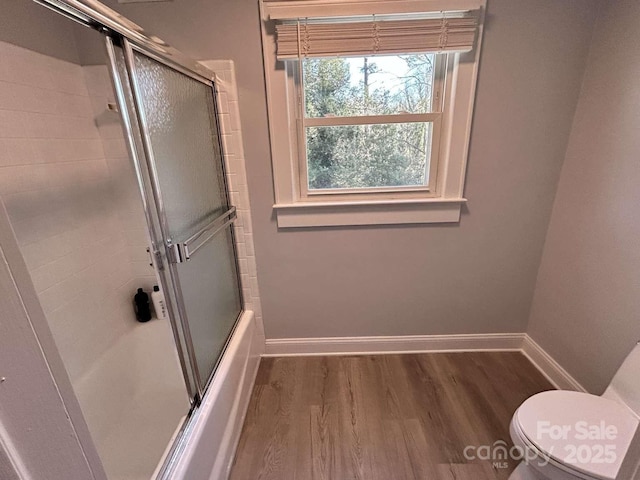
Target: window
(368,124)
(369,111)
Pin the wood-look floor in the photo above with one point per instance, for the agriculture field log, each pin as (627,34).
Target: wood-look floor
(382,417)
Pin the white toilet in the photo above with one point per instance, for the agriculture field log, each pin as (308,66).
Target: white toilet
(563,435)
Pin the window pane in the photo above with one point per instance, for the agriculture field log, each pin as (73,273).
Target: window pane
(369,156)
(378,85)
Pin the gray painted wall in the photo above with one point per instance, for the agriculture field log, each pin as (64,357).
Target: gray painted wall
(55,35)
(586,309)
(477,276)
(20,19)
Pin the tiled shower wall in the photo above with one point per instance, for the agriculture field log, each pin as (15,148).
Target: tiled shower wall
(58,182)
(126,195)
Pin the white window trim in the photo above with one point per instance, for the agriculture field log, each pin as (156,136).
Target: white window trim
(442,206)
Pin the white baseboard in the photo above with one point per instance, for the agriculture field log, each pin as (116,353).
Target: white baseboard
(281,347)
(549,367)
(552,370)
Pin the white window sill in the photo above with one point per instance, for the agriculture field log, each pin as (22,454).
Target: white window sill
(370,212)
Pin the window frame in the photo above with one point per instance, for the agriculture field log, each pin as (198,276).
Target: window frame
(296,97)
(294,205)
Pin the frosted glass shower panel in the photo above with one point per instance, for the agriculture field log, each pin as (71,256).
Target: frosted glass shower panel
(211,299)
(185,161)
(181,125)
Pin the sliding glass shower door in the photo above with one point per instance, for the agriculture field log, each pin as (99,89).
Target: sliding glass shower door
(186,189)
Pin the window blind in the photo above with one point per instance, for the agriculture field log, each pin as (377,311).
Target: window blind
(306,38)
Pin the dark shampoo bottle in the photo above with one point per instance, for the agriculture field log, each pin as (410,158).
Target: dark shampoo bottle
(142,307)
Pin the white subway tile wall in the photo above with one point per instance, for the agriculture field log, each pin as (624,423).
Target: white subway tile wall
(63,171)
(126,196)
(71,194)
(237,179)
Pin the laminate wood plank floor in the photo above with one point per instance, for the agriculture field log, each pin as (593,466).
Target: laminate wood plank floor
(382,417)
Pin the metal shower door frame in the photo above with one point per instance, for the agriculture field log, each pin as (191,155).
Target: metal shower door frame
(167,254)
(135,146)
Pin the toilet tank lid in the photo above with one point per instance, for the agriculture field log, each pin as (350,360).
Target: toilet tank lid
(578,430)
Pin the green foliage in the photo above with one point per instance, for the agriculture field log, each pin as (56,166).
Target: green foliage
(327,90)
(360,156)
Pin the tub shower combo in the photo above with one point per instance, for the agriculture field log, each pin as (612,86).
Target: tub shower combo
(164,202)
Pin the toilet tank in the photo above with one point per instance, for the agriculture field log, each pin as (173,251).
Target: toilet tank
(625,385)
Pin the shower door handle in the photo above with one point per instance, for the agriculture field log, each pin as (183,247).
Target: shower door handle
(181,252)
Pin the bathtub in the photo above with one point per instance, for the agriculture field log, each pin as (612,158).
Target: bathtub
(137,381)
(206,450)
(132,373)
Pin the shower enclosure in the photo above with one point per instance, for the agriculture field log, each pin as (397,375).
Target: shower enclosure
(85,212)
(170,119)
